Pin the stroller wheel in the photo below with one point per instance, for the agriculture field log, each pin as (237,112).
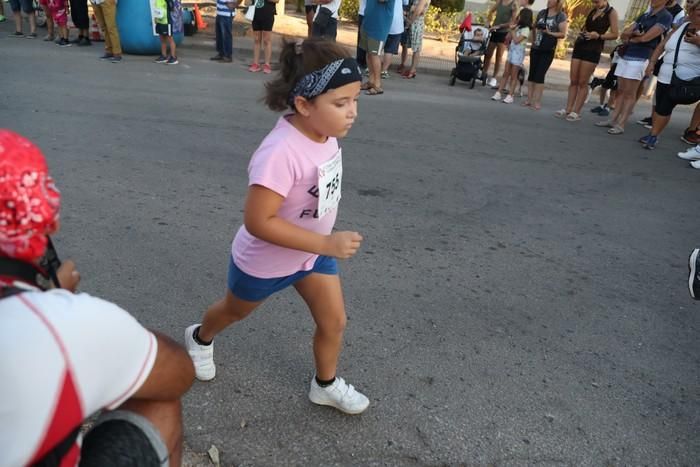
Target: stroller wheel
(453,79)
(473,83)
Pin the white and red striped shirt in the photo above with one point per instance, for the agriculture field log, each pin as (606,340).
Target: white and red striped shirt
(63,357)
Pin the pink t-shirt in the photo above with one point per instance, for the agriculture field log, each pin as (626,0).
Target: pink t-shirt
(287,163)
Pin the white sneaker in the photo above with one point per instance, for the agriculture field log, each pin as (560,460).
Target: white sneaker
(508,99)
(496,96)
(695,164)
(202,356)
(492,83)
(692,154)
(340,395)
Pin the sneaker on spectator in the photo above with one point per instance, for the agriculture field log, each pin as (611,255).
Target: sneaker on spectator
(84,42)
(385,75)
(690,137)
(496,96)
(492,83)
(340,395)
(161,59)
(692,154)
(695,164)
(254,68)
(172,61)
(64,43)
(107,56)
(17,34)
(508,99)
(605,112)
(644,139)
(694,273)
(267,69)
(31,35)
(116,59)
(651,142)
(597,109)
(644,121)
(202,355)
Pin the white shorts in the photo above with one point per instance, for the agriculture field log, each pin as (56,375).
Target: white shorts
(631,69)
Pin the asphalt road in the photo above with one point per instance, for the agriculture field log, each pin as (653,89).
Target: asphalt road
(520,297)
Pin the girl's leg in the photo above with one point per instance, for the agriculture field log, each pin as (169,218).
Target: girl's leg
(324,297)
(505,78)
(267,42)
(513,85)
(530,92)
(628,100)
(415,59)
(695,119)
(500,48)
(586,70)
(574,72)
(539,89)
(173,47)
(32,23)
(49,22)
(257,39)
(222,314)
(163,46)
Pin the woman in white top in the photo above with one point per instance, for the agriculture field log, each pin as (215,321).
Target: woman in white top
(687,40)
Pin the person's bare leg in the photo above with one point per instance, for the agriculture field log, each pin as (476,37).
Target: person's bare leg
(49,21)
(267,42)
(32,23)
(257,41)
(374,63)
(415,60)
(18,20)
(173,47)
(505,79)
(658,123)
(386,61)
(324,296)
(695,119)
(500,48)
(573,84)
(488,56)
(222,314)
(586,70)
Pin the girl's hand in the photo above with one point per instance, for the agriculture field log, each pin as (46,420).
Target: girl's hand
(342,245)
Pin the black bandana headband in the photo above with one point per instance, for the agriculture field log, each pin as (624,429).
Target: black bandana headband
(331,76)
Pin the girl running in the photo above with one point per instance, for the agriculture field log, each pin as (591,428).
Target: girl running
(286,239)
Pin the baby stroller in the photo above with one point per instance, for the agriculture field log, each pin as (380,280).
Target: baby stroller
(469,53)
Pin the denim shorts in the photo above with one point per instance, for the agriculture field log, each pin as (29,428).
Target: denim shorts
(254,289)
(26,6)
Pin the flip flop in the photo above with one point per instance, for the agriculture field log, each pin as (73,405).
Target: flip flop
(409,75)
(366,86)
(374,91)
(526,104)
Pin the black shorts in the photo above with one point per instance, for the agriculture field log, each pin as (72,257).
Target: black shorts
(610,79)
(664,104)
(586,54)
(498,37)
(165,30)
(540,61)
(265,17)
(310,8)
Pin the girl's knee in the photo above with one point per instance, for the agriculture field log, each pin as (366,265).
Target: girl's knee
(333,325)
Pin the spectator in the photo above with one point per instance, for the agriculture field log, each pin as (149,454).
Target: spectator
(27,7)
(550,26)
(361,55)
(504,11)
(263,21)
(59,16)
(600,26)
(71,371)
(416,18)
(682,57)
(106,14)
(394,39)
(225,11)
(81,20)
(375,29)
(310,10)
(640,39)
(50,36)
(166,26)
(516,55)
(326,20)
(404,36)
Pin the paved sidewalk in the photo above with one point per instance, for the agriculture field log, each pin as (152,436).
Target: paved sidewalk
(438,59)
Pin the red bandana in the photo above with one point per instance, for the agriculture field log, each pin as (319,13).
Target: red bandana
(29,200)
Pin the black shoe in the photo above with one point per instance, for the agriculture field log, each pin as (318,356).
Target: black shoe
(17,34)
(644,121)
(226,59)
(107,57)
(694,274)
(64,43)
(216,58)
(84,42)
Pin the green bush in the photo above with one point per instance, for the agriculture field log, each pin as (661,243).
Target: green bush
(441,23)
(348,10)
(449,5)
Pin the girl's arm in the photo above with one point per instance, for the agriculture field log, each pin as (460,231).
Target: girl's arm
(627,33)
(261,220)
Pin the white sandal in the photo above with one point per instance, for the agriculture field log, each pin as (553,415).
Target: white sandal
(573,117)
(560,113)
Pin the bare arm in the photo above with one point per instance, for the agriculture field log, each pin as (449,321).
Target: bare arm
(651,34)
(261,220)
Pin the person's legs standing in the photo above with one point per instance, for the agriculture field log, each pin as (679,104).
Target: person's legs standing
(585,72)
(574,69)
(360,53)
(489,56)
(50,36)
(28,9)
(257,42)
(109,11)
(500,48)
(99,15)
(267,42)
(79,15)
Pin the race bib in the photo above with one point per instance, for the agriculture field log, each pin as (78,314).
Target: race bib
(330,177)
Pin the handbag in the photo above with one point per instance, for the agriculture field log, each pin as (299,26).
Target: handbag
(681,91)
(323,17)
(250,13)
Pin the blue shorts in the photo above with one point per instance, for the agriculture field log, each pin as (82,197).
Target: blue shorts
(392,44)
(254,289)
